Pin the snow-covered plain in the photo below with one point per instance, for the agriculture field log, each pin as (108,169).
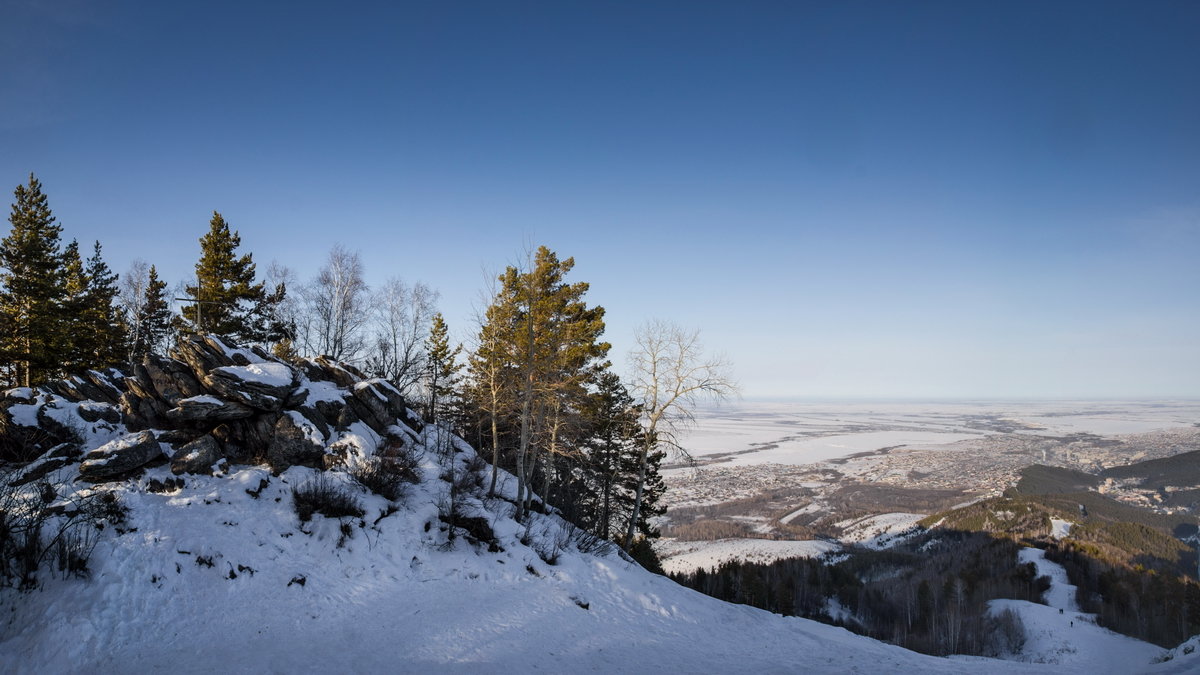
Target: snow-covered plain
(802,433)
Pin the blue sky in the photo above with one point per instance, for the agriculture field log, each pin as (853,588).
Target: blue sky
(922,199)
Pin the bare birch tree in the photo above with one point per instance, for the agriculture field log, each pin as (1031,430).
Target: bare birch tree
(402,315)
(334,311)
(132,299)
(670,375)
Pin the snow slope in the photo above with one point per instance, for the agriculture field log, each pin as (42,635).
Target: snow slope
(221,576)
(1058,633)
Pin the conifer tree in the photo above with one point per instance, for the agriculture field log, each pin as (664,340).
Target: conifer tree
(442,367)
(153,318)
(225,294)
(71,324)
(539,345)
(32,288)
(102,333)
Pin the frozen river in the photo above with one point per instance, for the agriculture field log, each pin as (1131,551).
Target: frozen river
(803,432)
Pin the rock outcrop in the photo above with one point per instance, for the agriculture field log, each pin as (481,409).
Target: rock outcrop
(120,457)
(204,402)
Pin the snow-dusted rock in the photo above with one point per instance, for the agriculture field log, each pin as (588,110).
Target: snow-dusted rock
(197,456)
(264,386)
(56,458)
(93,411)
(296,442)
(208,408)
(171,379)
(120,456)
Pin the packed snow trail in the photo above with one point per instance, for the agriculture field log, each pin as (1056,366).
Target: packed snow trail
(1058,633)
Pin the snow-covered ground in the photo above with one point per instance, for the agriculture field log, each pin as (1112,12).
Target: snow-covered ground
(688,556)
(1058,633)
(1060,528)
(880,531)
(215,579)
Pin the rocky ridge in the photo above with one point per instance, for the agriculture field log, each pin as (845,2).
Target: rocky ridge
(204,406)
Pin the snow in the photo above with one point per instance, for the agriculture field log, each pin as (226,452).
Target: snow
(1058,633)
(266,373)
(881,531)
(24,414)
(323,391)
(206,399)
(220,575)
(688,556)
(1060,528)
(230,352)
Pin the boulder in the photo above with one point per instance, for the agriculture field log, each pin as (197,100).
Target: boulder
(56,458)
(25,395)
(341,374)
(380,405)
(119,457)
(89,386)
(91,411)
(296,442)
(314,415)
(171,379)
(247,439)
(199,456)
(208,408)
(264,386)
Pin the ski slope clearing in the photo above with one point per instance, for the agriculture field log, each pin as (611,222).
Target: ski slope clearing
(881,531)
(1058,633)
(688,556)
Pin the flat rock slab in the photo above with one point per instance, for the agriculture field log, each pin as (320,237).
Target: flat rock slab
(264,386)
(204,408)
(120,456)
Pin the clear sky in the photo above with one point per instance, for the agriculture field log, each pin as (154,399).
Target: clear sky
(849,199)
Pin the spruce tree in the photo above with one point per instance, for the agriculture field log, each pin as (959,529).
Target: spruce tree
(153,319)
(32,288)
(225,294)
(72,325)
(442,366)
(103,332)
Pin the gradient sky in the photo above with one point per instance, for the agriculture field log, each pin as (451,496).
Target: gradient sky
(849,199)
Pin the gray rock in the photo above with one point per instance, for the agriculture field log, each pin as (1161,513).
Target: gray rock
(197,456)
(201,353)
(92,411)
(171,379)
(380,405)
(264,386)
(293,445)
(341,374)
(56,458)
(318,420)
(120,457)
(208,408)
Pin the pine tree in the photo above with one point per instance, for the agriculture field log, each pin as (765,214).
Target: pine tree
(153,319)
(32,287)
(442,368)
(225,294)
(539,346)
